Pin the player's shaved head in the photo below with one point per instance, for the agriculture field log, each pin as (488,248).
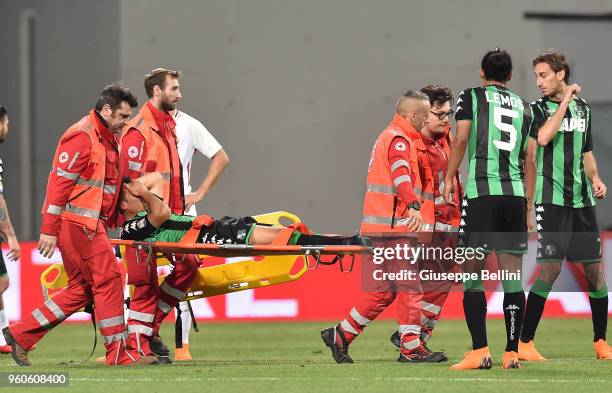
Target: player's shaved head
(411,101)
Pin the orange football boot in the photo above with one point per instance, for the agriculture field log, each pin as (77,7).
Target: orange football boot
(476,359)
(602,350)
(528,352)
(510,360)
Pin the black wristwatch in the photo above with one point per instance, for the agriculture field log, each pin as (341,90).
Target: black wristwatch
(414,205)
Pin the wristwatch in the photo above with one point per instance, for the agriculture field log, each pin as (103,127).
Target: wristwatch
(414,205)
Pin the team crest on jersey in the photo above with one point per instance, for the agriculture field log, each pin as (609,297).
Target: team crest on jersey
(63,157)
(400,146)
(132,151)
(579,111)
(141,223)
(241,234)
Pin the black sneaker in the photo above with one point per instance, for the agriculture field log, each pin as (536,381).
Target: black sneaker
(396,339)
(157,346)
(422,354)
(339,350)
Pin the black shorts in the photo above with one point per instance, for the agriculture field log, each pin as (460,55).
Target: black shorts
(228,230)
(3,271)
(494,222)
(567,232)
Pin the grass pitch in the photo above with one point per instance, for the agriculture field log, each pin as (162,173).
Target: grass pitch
(290,357)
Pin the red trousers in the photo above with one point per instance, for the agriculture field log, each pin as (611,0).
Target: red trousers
(408,294)
(151,302)
(93,274)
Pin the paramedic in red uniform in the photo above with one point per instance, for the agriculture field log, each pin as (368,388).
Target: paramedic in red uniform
(398,200)
(436,137)
(79,207)
(148,145)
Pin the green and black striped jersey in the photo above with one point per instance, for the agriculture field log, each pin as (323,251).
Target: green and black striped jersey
(501,124)
(561,178)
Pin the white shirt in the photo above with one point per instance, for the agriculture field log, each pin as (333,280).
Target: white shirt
(192,136)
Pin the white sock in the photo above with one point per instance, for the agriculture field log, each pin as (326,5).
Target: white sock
(3,324)
(186,321)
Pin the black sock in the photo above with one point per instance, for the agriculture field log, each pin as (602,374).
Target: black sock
(533,314)
(599,314)
(514,308)
(475,311)
(325,240)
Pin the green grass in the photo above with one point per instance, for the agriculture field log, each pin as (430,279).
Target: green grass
(290,357)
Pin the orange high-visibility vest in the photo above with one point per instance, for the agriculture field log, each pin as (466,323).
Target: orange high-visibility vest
(85,201)
(447,216)
(161,156)
(383,209)
(428,208)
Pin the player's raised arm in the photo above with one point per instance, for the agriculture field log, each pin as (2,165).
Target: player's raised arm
(551,126)
(159,212)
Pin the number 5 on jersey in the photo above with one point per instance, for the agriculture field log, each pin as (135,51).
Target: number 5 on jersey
(505,127)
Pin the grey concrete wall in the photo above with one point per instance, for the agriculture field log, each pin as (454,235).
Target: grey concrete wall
(297,91)
(76,53)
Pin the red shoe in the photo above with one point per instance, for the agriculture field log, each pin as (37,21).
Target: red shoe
(5,349)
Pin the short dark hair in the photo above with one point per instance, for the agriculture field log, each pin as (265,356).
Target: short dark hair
(3,112)
(497,65)
(437,94)
(114,94)
(157,77)
(556,60)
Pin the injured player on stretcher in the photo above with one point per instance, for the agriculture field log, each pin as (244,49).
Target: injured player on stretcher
(148,218)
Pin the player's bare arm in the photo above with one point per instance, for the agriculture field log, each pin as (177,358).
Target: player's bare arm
(7,228)
(530,179)
(456,156)
(159,212)
(218,164)
(590,169)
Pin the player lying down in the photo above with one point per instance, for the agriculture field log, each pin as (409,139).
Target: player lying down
(149,219)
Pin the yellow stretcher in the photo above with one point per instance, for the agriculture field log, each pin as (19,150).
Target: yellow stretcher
(277,265)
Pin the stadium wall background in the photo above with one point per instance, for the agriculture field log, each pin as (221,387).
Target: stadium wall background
(295,91)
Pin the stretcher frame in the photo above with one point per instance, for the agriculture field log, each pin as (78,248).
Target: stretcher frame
(275,266)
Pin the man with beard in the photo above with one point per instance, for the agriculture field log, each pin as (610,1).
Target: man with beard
(81,200)
(149,145)
(7,234)
(567,184)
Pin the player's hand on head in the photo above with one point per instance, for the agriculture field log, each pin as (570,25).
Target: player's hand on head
(137,188)
(46,245)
